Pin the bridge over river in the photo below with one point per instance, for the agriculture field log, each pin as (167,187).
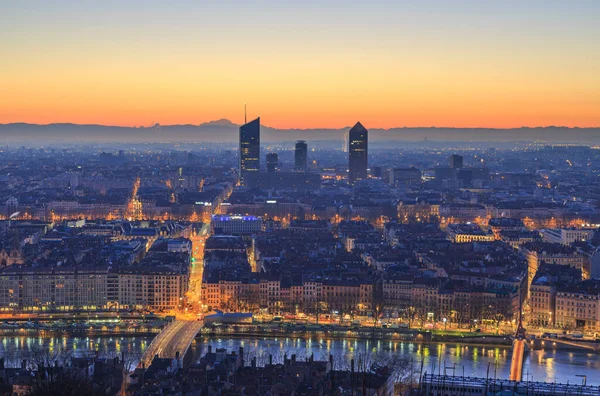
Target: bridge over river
(175,338)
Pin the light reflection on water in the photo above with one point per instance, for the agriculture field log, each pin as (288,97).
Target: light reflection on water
(549,365)
(17,348)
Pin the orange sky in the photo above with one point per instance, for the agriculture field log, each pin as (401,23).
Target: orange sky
(301,68)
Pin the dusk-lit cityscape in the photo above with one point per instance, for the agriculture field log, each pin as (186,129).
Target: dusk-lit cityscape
(430,232)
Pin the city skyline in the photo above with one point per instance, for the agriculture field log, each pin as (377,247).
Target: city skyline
(465,64)
(339,197)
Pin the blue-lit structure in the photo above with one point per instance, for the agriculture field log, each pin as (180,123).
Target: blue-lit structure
(236,224)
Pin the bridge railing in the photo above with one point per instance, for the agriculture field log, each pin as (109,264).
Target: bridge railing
(145,357)
(198,326)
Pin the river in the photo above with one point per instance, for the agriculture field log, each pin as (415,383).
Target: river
(540,365)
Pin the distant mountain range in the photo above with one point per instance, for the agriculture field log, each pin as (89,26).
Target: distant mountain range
(226,131)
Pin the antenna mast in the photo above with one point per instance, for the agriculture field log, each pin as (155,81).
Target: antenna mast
(245,121)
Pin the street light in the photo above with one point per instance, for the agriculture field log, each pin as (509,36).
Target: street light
(445,320)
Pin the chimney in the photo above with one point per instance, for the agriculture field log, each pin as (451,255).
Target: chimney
(96,354)
(23,364)
(364,384)
(270,359)
(332,381)
(254,362)
(294,358)
(352,374)
(209,349)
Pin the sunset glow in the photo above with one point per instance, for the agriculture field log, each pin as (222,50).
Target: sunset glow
(433,63)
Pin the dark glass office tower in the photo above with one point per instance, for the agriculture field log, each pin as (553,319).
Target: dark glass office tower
(272,162)
(249,149)
(456,161)
(301,156)
(358,142)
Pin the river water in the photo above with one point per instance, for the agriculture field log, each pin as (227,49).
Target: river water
(548,365)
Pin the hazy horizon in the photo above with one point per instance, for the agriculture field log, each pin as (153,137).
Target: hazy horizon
(227,131)
(218,121)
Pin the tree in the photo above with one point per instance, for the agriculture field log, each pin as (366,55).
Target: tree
(319,307)
(412,312)
(63,381)
(498,318)
(249,300)
(56,378)
(346,309)
(376,312)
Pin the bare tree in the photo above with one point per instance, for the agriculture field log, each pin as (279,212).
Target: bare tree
(65,381)
(57,377)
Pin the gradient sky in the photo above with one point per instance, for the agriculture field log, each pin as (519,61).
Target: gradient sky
(308,64)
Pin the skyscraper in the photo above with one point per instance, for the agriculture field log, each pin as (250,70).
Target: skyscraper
(249,149)
(272,162)
(301,156)
(358,141)
(456,161)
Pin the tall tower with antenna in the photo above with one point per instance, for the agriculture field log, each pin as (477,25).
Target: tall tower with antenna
(249,148)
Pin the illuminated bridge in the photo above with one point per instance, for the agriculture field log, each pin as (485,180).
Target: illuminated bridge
(518,355)
(175,338)
(516,363)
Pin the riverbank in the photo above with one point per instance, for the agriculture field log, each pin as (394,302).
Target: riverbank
(90,327)
(152,327)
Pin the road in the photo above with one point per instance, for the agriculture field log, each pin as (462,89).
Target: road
(516,364)
(175,337)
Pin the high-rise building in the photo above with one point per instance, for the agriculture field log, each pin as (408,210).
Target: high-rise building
(456,161)
(272,162)
(301,156)
(345,143)
(358,139)
(249,149)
